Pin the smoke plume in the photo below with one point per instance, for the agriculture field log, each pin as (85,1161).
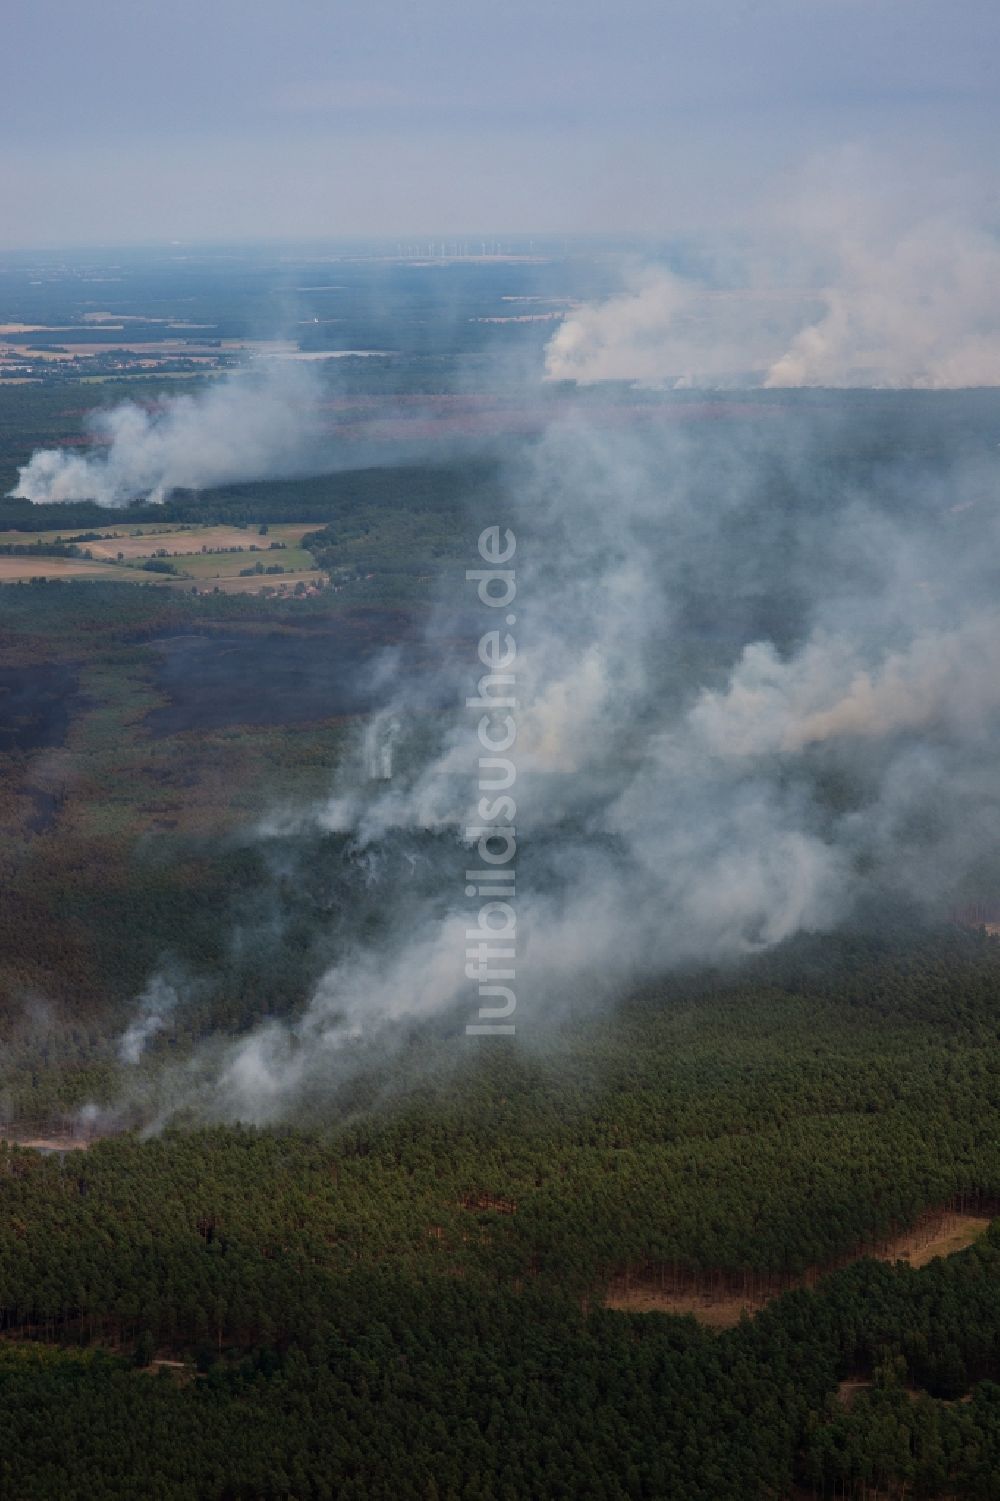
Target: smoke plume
(664,329)
(892,286)
(749,699)
(912,306)
(243,427)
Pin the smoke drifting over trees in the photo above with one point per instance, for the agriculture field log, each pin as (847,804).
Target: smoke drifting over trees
(756,687)
(243,428)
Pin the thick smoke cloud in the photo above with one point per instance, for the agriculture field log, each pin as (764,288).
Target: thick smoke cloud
(664,329)
(748,700)
(913,306)
(827,692)
(244,427)
(865,281)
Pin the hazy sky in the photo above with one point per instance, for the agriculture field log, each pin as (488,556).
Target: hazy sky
(140,120)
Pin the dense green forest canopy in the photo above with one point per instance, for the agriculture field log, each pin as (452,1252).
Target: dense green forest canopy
(439,1256)
(360,1312)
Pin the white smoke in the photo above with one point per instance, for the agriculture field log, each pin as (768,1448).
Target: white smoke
(381,736)
(242,427)
(155,1007)
(828,691)
(912,306)
(672,827)
(662,823)
(664,329)
(671,785)
(899,289)
(628,337)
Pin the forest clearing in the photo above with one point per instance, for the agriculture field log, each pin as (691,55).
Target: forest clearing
(939,1233)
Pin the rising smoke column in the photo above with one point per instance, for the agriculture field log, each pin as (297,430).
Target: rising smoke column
(911,306)
(242,427)
(153,1010)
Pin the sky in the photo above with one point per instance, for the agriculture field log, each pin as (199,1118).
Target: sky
(135,121)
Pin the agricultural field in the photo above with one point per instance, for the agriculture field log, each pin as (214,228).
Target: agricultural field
(17,537)
(220,563)
(201,556)
(309,579)
(180,541)
(18,570)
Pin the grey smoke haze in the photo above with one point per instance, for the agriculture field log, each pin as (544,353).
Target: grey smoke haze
(692,787)
(865,283)
(243,427)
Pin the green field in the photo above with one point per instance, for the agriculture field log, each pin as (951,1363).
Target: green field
(228,565)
